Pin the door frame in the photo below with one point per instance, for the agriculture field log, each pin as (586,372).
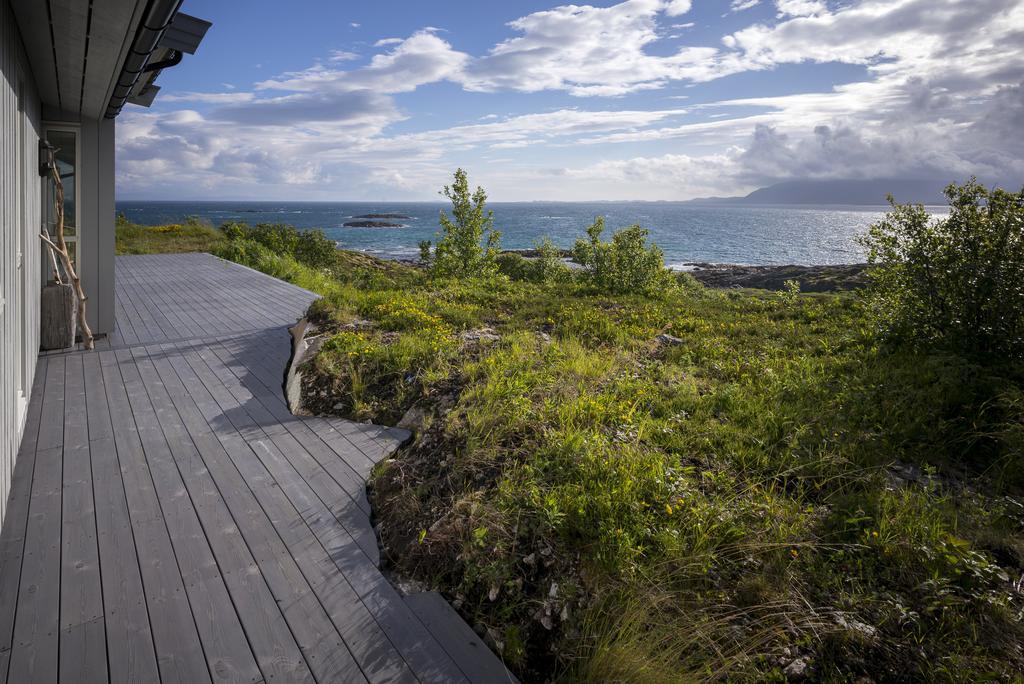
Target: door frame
(21,241)
(47,211)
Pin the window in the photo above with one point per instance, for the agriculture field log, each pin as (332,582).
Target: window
(65,141)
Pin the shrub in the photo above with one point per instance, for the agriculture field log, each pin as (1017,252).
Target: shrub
(546,267)
(626,265)
(955,282)
(467,245)
(514,265)
(310,247)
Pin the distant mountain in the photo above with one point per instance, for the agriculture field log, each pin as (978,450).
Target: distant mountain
(869,192)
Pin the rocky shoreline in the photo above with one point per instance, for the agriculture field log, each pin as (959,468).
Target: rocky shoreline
(840,277)
(823,278)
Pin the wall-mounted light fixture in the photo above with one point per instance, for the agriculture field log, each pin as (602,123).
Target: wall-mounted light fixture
(46,152)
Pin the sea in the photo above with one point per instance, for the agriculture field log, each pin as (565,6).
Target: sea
(687,233)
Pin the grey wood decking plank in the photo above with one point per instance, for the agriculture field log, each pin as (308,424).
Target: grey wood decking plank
(51,426)
(255,415)
(333,453)
(398,622)
(130,648)
(223,640)
(355,443)
(83,634)
(178,648)
(36,627)
(97,409)
(83,653)
(145,326)
(124,310)
(12,539)
(279,293)
(328,656)
(140,326)
(158,299)
(457,638)
(145,293)
(269,638)
(219,295)
(345,510)
(370,646)
(222,293)
(150,295)
(141,323)
(175,298)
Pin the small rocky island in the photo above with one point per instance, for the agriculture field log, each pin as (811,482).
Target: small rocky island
(363,223)
(377,220)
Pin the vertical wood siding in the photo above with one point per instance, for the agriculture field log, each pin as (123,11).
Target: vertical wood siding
(19,318)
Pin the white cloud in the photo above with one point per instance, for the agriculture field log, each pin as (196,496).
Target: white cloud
(591,51)
(211,98)
(740,5)
(419,59)
(674,8)
(800,8)
(342,56)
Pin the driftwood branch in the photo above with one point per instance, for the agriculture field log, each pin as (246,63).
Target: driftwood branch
(59,250)
(45,236)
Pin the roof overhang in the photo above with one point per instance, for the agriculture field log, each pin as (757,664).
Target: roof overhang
(85,56)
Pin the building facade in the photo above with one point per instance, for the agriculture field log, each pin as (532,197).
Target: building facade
(67,67)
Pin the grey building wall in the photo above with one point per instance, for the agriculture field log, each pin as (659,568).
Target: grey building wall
(20,250)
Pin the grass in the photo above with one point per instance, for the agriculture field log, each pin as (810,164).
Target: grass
(191,236)
(608,507)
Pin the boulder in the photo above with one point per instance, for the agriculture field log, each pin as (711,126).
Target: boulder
(480,335)
(796,671)
(305,344)
(669,340)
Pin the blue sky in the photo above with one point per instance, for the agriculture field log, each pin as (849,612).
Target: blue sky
(641,99)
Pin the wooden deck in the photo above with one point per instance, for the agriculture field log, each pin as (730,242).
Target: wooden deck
(170,520)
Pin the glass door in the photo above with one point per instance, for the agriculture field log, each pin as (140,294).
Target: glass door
(65,141)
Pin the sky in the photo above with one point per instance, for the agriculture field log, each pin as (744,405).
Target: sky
(634,100)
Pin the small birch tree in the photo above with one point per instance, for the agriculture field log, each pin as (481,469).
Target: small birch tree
(468,242)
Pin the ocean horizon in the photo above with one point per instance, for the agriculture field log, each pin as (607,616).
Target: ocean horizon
(687,232)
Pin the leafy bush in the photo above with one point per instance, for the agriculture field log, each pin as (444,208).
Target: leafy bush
(514,265)
(956,282)
(546,267)
(310,247)
(626,265)
(467,246)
